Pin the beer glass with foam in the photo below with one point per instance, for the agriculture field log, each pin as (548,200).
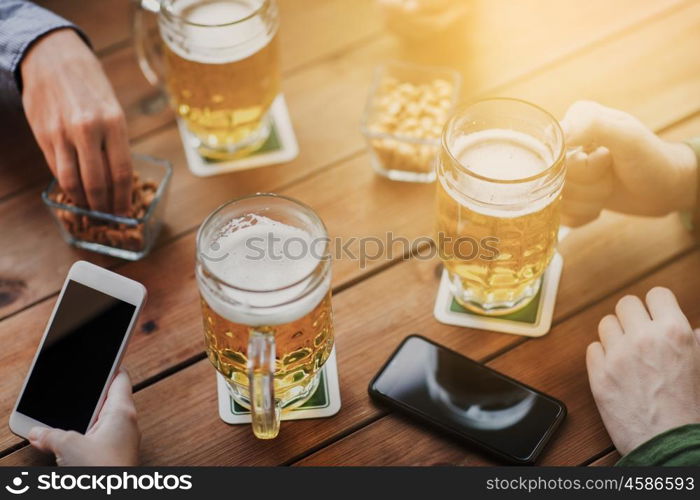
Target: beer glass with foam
(220,69)
(501,172)
(264,275)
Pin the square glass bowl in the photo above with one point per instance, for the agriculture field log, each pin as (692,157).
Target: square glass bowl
(129,238)
(407,107)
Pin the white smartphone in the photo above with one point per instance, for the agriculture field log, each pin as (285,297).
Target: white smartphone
(80,351)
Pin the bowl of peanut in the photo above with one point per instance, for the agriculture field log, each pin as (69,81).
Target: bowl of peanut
(130,237)
(406,110)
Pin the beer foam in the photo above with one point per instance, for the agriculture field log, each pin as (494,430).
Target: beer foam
(213,43)
(499,155)
(257,253)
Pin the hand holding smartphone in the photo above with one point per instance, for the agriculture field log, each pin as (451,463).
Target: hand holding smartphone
(468,400)
(80,351)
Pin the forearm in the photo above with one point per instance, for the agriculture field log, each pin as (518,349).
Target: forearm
(21,24)
(676,447)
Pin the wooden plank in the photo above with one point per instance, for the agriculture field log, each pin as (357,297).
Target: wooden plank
(607,460)
(108,23)
(325,113)
(22,164)
(554,364)
(314,29)
(368,328)
(173,303)
(368,337)
(310,30)
(625,257)
(105,22)
(613,73)
(338,215)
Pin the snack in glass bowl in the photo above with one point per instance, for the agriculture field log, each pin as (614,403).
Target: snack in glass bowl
(406,110)
(128,237)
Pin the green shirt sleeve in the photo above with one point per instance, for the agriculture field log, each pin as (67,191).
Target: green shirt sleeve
(675,447)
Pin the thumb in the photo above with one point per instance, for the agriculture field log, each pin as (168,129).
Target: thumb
(55,441)
(697,334)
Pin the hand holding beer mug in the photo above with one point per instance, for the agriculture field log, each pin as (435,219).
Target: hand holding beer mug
(501,172)
(220,69)
(263,271)
(624,166)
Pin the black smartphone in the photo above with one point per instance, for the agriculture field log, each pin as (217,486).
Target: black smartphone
(467,399)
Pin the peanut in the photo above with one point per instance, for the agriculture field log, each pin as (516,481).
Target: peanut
(409,111)
(125,236)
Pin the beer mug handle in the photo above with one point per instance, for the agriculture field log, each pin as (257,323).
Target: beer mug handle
(264,409)
(146,51)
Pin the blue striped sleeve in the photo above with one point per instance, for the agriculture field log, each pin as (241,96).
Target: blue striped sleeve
(21,24)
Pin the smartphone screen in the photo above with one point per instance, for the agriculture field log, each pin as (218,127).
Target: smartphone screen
(76,358)
(465,397)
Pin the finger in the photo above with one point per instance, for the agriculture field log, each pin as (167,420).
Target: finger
(663,306)
(68,174)
(588,168)
(49,155)
(598,191)
(581,211)
(632,314)
(93,169)
(576,221)
(697,334)
(51,440)
(609,331)
(119,398)
(119,161)
(595,357)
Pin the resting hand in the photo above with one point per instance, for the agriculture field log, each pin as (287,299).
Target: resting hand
(644,372)
(622,166)
(77,122)
(112,441)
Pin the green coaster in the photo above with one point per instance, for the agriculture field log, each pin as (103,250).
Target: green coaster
(534,320)
(526,315)
(325,402)
(319,401)
(280,147)
(272,144)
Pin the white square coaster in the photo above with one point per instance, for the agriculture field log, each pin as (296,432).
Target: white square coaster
(324,403)
(280,147)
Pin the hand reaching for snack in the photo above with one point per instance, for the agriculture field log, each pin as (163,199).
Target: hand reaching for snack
(78,122)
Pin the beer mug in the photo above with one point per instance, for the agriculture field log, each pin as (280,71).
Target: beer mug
(264,276)
(219,66)
(501,171)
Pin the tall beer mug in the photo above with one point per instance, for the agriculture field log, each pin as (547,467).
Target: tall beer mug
(501,171)
(219,66)
(264,276)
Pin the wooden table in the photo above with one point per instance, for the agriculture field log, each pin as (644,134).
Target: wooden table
(639,55)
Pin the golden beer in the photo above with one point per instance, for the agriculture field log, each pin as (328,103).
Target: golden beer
(222,70)
(303,346)
(263,271)
(500,177)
